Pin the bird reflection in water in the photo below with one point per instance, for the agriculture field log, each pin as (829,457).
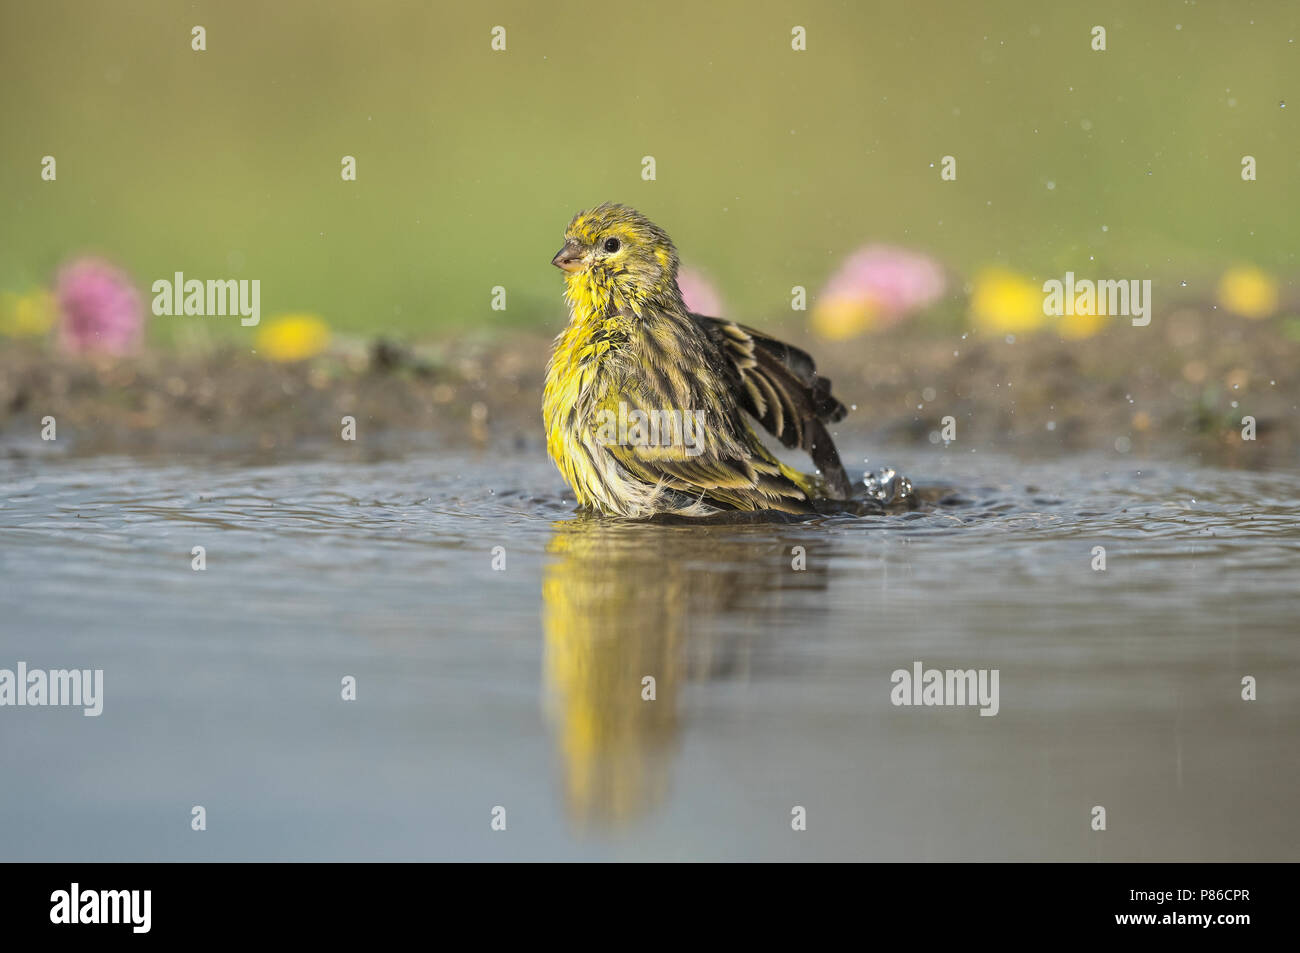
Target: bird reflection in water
(625,601)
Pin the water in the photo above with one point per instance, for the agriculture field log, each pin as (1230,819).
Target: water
(522,687)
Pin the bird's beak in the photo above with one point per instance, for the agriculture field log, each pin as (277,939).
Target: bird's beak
(568,258)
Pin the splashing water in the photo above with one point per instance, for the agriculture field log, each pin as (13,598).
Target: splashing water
(887,486)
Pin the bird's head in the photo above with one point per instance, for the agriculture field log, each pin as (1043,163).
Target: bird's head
(616,249)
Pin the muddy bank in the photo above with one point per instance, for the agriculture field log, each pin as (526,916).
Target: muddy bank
(1176,389)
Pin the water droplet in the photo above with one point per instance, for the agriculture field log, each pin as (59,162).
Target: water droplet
(887,485)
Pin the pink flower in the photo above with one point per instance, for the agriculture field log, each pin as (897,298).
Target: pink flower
(698,293)
(892,281)
(99,308)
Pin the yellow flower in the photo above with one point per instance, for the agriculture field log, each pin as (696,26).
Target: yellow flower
(843,317)
(293,337)
(1005,302)
(1248,291)
(27,316)
(1077,326)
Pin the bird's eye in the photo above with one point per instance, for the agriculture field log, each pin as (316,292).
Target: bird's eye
(612,245)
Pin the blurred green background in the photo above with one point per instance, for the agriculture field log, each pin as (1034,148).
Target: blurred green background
(772,164)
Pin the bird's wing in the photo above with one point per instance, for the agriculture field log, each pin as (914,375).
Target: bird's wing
(781,388)
(721,475)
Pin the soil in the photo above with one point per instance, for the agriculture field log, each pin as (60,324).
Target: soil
(1180,387)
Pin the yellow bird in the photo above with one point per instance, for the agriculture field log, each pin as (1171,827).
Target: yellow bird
(647,406)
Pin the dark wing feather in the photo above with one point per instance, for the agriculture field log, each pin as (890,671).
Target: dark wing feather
(780,387)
